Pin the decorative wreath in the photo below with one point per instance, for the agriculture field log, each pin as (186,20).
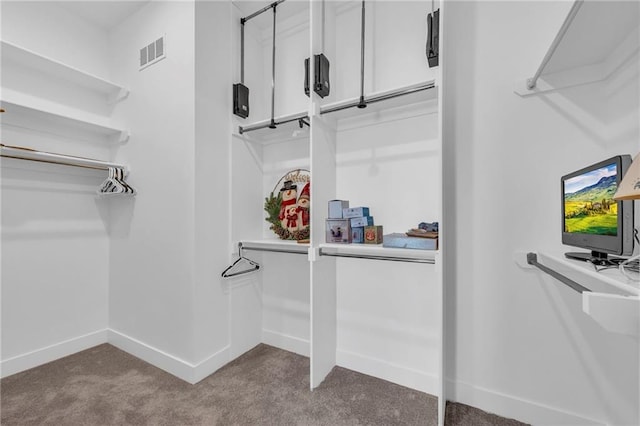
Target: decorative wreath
(287,206)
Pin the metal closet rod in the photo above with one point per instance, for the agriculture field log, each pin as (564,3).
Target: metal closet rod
(22,153)
(531,83)
(272,250)
(261,11)
(377,257)
(532,259)
(301,119)
(379,98)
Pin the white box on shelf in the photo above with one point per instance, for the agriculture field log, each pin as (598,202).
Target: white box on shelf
(336,207)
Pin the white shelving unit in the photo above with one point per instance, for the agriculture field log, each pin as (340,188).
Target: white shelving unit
(594,41)
(47,102)
(396,139)
(27,109)
(22,109)
(17,55)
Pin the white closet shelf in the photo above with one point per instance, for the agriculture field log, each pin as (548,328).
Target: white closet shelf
(272,245)
(406,97)
(12,53)
(595,40)
(288,127)
(377,251)
(21,109)
(609,298)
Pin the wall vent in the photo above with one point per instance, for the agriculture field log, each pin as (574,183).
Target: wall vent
(152,53)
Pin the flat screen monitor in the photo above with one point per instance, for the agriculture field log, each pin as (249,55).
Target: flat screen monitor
(591,218)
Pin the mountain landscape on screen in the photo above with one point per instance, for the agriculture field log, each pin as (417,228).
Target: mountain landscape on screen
(592,210)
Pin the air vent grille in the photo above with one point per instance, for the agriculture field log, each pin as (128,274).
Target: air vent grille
(152,53)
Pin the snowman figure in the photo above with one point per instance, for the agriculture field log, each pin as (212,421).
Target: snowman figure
(304,203)
(292,218)
(289,193)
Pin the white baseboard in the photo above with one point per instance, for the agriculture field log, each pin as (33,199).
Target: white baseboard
(191,373)
(212,364)
(51,353)
(513,407)
(388,371)
(286,342)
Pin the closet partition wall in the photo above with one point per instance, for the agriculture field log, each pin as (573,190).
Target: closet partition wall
(379,313)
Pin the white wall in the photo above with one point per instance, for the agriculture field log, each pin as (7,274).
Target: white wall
(518,343)
(151,285)
(53,31)
(212,208)
(148,268)
(55,245)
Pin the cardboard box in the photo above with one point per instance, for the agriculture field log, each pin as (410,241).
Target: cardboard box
(338,231)
(373,234)
(357,235)
(355,212)
(336,207)
(404,241)
(361,221)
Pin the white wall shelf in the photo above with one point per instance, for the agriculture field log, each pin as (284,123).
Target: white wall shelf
(378,252)
(14,54)
(610,298)
(597,39)
(26,110)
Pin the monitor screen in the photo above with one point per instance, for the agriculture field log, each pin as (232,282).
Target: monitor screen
(589,207)
(591,218)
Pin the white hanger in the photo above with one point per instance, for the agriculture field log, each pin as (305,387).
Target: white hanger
(115,184)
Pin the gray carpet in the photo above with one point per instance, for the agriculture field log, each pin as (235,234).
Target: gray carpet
(266,386)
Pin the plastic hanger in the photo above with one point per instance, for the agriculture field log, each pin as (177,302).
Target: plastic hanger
(115,184)
(111,185)
(119,176)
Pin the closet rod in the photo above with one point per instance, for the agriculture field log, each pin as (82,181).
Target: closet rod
(531,83)
(379,98)
(261,11)
(532,259)
(273,250)
(253,127)
(22,153)
(376,257)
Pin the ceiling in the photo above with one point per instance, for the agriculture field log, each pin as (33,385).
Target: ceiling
(105,14)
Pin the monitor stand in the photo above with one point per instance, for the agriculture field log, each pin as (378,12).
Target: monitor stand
(595,257)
